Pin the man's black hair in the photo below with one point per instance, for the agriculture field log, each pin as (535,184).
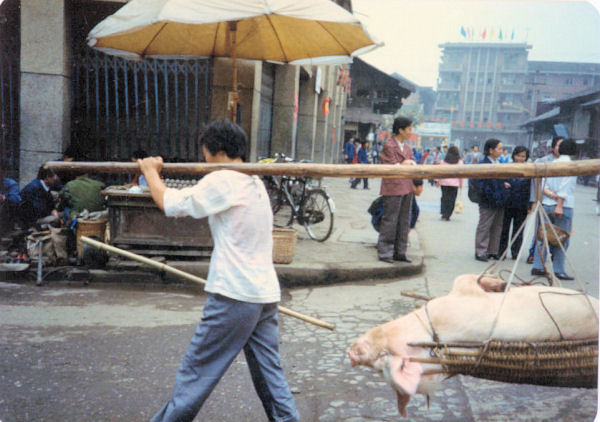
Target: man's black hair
(567,147)
(226,136)
(401,123)
(417,182)
(489,145)
(45,172)
(74,152)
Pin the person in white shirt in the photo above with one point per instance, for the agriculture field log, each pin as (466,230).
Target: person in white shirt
(242,286)
(558,202)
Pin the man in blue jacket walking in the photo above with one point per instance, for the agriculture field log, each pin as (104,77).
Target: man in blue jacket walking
(362,159)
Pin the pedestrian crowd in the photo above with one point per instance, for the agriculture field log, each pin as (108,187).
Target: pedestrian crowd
(504,203)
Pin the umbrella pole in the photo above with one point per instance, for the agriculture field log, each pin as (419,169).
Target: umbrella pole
(235,98)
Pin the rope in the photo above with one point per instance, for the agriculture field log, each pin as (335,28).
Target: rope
(562,248)
(531,282)
(563,294)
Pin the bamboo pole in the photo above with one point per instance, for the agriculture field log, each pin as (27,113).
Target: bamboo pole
(426,171)
(191,277)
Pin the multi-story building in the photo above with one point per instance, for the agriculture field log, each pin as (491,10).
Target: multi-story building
(548,82)
(488,89)
(482,90)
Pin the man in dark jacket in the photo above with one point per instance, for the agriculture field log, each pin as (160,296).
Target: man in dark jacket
(362,159)
(349,151)
(37,202)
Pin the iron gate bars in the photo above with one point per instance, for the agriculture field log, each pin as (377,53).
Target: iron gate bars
(10,51)
(119,106)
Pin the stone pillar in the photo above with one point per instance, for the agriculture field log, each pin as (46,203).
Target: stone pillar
(307,117)
(285,103)
(45,84)
(322,120)
(255,118)
(332,72)
(337,118)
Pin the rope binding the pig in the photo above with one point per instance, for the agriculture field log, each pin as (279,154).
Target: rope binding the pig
(562,363)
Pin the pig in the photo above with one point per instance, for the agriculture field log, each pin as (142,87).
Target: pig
(466,314)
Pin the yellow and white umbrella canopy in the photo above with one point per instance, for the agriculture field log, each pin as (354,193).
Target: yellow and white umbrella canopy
(282,31)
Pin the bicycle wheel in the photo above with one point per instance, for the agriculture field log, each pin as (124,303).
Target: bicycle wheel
(283,217)
(317,215)
(273,192)
(282,210)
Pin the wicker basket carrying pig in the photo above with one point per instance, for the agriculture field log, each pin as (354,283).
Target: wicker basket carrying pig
(467,314)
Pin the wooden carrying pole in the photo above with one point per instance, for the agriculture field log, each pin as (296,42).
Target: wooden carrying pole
(426,171)
(191,277)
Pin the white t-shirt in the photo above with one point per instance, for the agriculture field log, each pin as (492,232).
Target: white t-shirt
(241,224)
(563,186)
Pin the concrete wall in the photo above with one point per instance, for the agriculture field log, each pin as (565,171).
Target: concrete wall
(45,96)
(45,83)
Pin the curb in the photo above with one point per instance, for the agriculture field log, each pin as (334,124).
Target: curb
(290,275)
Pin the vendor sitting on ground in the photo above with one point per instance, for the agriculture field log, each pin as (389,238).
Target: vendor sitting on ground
(37,202)
(82,193)
(10,199)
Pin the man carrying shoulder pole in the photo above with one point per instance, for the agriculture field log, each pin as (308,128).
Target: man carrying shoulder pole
(242,286)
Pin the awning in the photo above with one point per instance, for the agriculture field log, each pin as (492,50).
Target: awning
(591,103)
(544,116)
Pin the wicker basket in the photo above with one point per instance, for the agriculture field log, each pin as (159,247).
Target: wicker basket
(284,245)
(567,363)
(553,240)
(89,228)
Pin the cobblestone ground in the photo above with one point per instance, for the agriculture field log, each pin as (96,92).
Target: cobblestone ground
(89,354)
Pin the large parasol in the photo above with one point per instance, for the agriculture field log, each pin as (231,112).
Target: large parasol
(281,31)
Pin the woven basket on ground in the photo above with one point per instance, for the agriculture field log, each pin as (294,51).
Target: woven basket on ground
(89,228)
(567,363)
(284,245)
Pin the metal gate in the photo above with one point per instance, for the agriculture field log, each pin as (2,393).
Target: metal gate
(119,106)
(10,51)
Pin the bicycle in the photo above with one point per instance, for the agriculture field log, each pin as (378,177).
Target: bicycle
(297,199)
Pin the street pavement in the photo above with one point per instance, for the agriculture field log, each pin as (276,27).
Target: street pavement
(109,351)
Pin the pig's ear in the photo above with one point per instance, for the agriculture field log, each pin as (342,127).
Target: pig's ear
(405,375)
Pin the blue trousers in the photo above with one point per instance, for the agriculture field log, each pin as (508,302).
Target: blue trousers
(227,327)
(563,222)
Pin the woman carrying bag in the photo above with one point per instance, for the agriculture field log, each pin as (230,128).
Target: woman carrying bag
(449,186)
